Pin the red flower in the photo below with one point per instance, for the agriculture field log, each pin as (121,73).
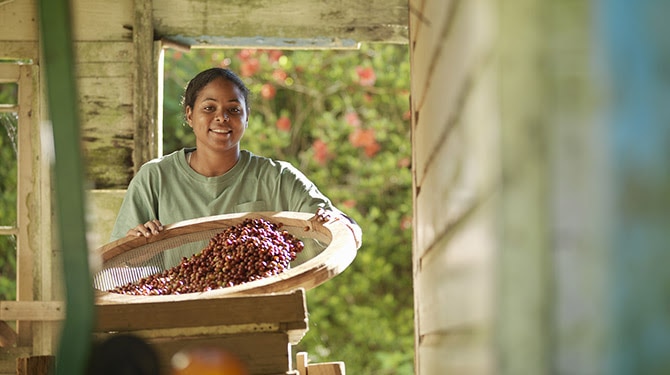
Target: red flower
(362,138)
(365,139)
(372,149)
(352,119)
(321,152)
(268,91)
(249,67)
(279,75)
(274,55)
(284,124)
(349,203)
(366,76)
(404,163)
(244,54)
(406,223)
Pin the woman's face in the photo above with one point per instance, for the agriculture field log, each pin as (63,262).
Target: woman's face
(219,116)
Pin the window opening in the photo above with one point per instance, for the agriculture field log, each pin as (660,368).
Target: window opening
(9,117)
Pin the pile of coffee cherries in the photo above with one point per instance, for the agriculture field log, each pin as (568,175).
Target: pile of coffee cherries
(251,250)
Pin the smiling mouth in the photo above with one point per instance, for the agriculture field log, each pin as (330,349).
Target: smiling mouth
(221,131)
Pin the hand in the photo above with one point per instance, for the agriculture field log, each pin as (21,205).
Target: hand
(147,229)
(323,216)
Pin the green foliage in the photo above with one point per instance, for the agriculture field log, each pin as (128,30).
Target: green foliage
(342,117)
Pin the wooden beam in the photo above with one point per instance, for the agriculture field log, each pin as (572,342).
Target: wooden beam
(282,23)
(145,85)
(32,310)
(269,309)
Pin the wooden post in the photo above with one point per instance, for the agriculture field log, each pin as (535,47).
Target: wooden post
(145,85)
(37,365)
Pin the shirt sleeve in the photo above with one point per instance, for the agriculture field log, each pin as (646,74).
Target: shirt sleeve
(139,204)
(302,194)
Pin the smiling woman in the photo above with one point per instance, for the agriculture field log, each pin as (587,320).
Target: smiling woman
(215,177)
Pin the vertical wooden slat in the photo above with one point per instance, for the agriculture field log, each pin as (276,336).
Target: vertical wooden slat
(525,258)
(25,270)
(145,84)
(455,176)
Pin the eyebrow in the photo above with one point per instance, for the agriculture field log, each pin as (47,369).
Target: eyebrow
(230,101)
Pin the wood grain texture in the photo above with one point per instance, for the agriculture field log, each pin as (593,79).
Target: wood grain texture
(361,21)
(258,329)
(7,335)
(35,365)
(326,368)
(32,310)
(281,308)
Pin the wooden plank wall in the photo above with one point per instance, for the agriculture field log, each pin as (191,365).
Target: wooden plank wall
(541,186)
(456,166)
(105,80)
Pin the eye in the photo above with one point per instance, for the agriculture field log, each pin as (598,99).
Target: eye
(235,110)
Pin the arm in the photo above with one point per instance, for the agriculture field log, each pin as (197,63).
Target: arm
(138,212)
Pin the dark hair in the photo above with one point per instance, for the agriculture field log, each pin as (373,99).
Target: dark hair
(203,78)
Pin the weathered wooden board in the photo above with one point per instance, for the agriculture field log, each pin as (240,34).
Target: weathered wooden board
(32,310)
(19,50)
(283,309)
(263,353)
(257,329)
(105,82)
(299,23)
(98,20)
(326,368)
(18,21)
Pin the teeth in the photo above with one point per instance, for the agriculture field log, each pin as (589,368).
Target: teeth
(220,131)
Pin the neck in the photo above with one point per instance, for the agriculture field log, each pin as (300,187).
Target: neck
(211,164)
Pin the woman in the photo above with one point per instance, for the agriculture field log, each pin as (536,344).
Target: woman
(215,177)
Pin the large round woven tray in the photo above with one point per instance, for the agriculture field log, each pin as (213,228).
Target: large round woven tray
(339,241)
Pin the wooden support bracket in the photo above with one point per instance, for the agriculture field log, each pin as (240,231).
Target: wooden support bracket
(327,368)
(7,335)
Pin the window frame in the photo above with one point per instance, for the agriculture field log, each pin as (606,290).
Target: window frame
(28,210)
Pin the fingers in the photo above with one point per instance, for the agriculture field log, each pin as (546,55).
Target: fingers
(147,229)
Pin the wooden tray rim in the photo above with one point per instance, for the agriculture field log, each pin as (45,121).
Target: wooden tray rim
(333,260)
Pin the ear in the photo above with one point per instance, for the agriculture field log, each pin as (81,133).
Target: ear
(189,116)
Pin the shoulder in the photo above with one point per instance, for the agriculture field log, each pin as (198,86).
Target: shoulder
(166,161)
(268,165)
(164,165)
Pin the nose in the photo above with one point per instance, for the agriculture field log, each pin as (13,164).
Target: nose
(223,117)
